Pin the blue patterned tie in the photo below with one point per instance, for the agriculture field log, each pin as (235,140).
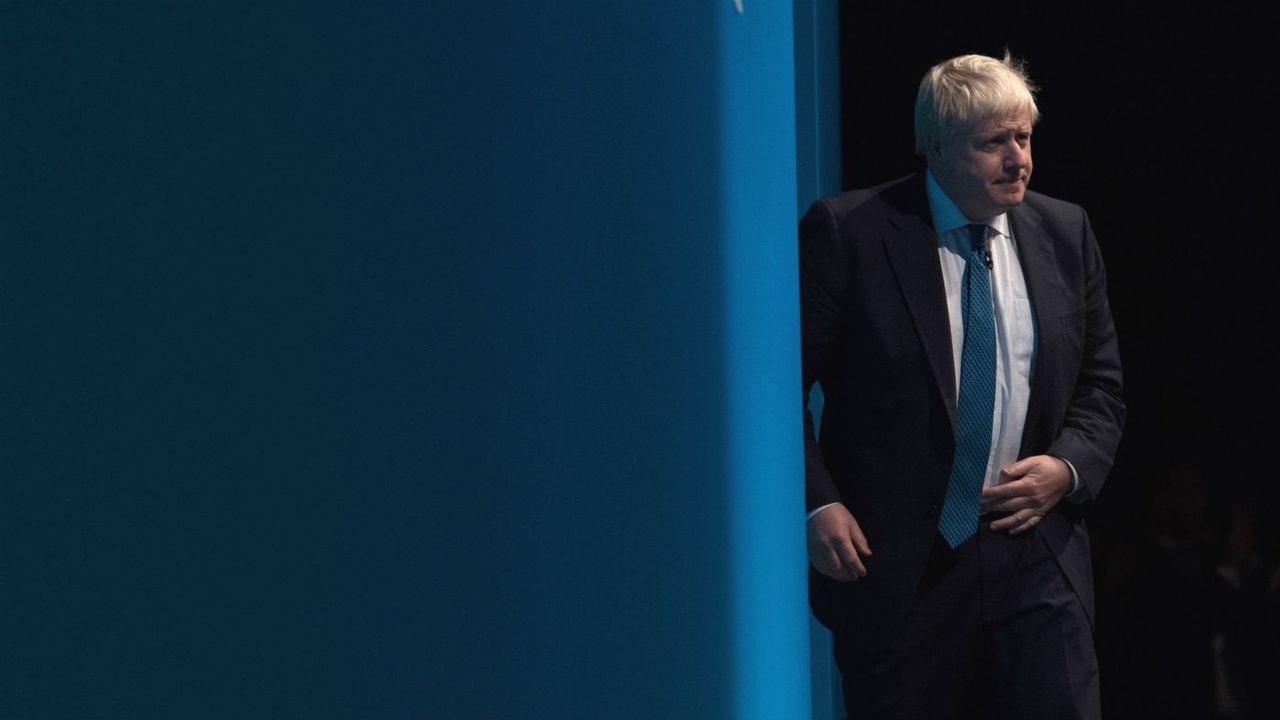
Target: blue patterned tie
(959,518)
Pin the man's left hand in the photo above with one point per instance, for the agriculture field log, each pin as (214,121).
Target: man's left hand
(1028,490)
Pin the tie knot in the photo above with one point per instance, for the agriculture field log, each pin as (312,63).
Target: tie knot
(978,235)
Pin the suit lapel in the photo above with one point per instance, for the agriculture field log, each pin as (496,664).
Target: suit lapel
(1035,254)
(912,248)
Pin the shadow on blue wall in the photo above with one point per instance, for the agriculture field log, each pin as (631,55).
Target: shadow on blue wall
(349,362)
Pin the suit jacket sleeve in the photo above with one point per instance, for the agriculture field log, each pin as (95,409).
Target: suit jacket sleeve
(1095,413)
(824,278)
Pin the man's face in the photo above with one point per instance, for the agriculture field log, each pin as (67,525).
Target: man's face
(985,168)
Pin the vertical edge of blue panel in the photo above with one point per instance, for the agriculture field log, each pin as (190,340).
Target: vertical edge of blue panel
(770,613)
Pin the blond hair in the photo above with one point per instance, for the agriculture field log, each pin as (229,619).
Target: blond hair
(957,93)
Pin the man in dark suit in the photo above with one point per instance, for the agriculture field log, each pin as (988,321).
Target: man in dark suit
(960,329)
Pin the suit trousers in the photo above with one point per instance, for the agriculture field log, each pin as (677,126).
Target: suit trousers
(995,632)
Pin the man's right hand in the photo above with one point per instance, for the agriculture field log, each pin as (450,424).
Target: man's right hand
(836,544)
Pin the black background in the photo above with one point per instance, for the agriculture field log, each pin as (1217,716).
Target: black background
(1158,123)
(1155,122)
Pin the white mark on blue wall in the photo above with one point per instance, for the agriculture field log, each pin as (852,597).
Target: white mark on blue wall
(738,4)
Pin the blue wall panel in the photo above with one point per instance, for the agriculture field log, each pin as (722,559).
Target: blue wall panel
(379,361)
(763,363)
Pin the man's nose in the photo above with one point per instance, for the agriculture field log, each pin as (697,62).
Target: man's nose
(1017,156)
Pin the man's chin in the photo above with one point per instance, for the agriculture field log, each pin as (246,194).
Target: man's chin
(1012,198)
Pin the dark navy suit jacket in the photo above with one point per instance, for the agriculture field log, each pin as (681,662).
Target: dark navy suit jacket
(876,335)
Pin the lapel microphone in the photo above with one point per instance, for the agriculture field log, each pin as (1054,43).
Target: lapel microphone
(986,258)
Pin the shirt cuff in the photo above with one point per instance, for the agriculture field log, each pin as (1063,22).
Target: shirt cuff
(1075,480)
(820,508)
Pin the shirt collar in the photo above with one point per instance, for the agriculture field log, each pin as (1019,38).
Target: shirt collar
(947,217)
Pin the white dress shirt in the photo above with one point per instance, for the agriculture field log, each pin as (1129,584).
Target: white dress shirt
(1014,323)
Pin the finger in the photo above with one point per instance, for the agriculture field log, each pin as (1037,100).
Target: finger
(1008,505)
(1015,503)
(1025,526)
(859,540)
(833,567)
(1004,489)
(1007,490)
(840,574)
(823,558)
(1007,522)
(1020,468)
(849,557)
(1016,523)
